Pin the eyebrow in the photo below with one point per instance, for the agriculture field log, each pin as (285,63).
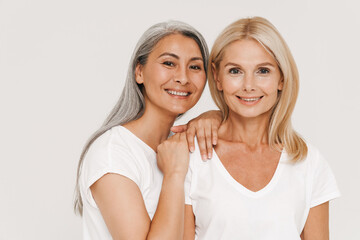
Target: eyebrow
(266,64)
(169,54)
(196,58)
(177,57)
(258,65)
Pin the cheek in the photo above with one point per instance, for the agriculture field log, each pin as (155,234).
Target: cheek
(156,75)
(230,85)
(198,79)
(268,86)
(163,75)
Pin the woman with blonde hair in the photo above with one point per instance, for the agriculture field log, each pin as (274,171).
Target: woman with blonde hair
(264,181)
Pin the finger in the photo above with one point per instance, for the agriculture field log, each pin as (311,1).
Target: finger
(202,144)
(208,140)
(183,137)
(214,133)
(177,136)
(190,135)
(178,129)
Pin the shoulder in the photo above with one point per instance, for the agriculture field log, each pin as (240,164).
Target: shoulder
(308,165)
(323,182)
(318,167)
(113,140)
(111,152)
(117,149)
(314,157)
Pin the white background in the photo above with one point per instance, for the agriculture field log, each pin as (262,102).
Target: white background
(63,65)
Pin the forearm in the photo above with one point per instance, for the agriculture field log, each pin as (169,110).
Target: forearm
(168,221)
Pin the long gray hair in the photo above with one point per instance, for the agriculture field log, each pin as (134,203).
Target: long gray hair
(131,104)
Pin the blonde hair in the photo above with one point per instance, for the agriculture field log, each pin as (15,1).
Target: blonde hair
(261,30)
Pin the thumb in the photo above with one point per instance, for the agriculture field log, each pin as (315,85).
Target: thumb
(178,129)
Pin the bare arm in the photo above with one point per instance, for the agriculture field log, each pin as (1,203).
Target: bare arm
(189,224)
(173,161)
(317,223)
(122,206)
(205,127)
(168,221)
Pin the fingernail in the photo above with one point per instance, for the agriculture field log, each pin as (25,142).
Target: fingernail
(203,157)
(192,149)
(209,155)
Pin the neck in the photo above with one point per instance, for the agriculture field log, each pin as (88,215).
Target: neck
(251,131)
(153,127)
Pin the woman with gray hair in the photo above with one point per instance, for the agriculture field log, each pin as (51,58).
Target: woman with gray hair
(121,192)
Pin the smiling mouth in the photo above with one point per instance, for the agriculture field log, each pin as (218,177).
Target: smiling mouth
(252,99)
(177,93)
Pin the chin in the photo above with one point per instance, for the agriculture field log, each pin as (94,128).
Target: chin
(250,114)
(178,110)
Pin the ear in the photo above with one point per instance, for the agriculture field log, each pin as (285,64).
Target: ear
(215,76)
(139,74)
(281,84)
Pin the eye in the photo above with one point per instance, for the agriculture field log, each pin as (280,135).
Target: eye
(169,63)
(195,67)
(263,71)
(234,71)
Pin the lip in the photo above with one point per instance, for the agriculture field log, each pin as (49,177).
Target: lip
(250,101)
(176,93)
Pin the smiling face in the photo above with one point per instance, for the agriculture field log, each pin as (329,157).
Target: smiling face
(249,78)
(173,76)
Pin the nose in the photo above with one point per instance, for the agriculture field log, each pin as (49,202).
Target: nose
(181,76)
(248,83)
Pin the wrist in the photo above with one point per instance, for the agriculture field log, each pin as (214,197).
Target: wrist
(174,177)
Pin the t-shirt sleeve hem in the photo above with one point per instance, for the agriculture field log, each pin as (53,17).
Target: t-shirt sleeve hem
(99,175)
(325,198)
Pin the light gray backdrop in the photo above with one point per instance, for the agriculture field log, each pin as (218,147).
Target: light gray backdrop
(63,65)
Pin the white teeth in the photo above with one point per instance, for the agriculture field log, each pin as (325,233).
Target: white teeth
(177,93)
(250,99)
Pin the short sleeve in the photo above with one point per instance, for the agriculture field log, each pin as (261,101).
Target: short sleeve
(105,157)
(324,186)
(190,179)
(187,183)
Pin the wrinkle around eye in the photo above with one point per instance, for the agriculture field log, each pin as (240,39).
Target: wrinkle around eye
(195,67)
(168,63)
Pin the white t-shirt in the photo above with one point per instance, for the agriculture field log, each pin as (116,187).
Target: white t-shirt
(118,151)
(224,209)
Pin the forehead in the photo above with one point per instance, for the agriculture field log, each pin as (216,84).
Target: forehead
(178,44)
(247,51)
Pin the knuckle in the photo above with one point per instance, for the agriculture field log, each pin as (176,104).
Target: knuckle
(202,121)
(190,129)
